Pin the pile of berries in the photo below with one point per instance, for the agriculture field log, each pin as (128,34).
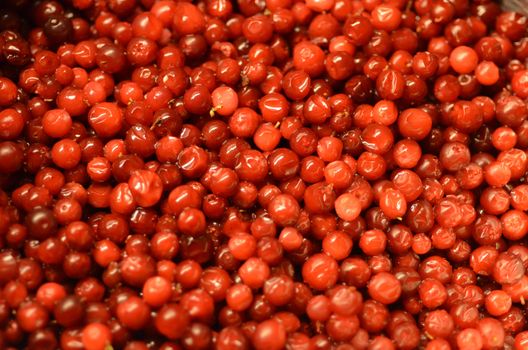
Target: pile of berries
(263,174)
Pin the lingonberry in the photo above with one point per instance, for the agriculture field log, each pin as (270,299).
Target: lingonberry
(337,244)
(8,90)
(239,297)
(32,316)
(320,271)
(269,334)
(96,336)
(146,187)
(432,293)
(254,272)
(133,313)
(106,119)
(12,124)
(384,287)
(224,100)
(184,167)
(414,123)
(463,59)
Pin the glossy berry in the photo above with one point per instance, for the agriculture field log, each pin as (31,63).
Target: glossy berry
(463,59)
(96,336)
